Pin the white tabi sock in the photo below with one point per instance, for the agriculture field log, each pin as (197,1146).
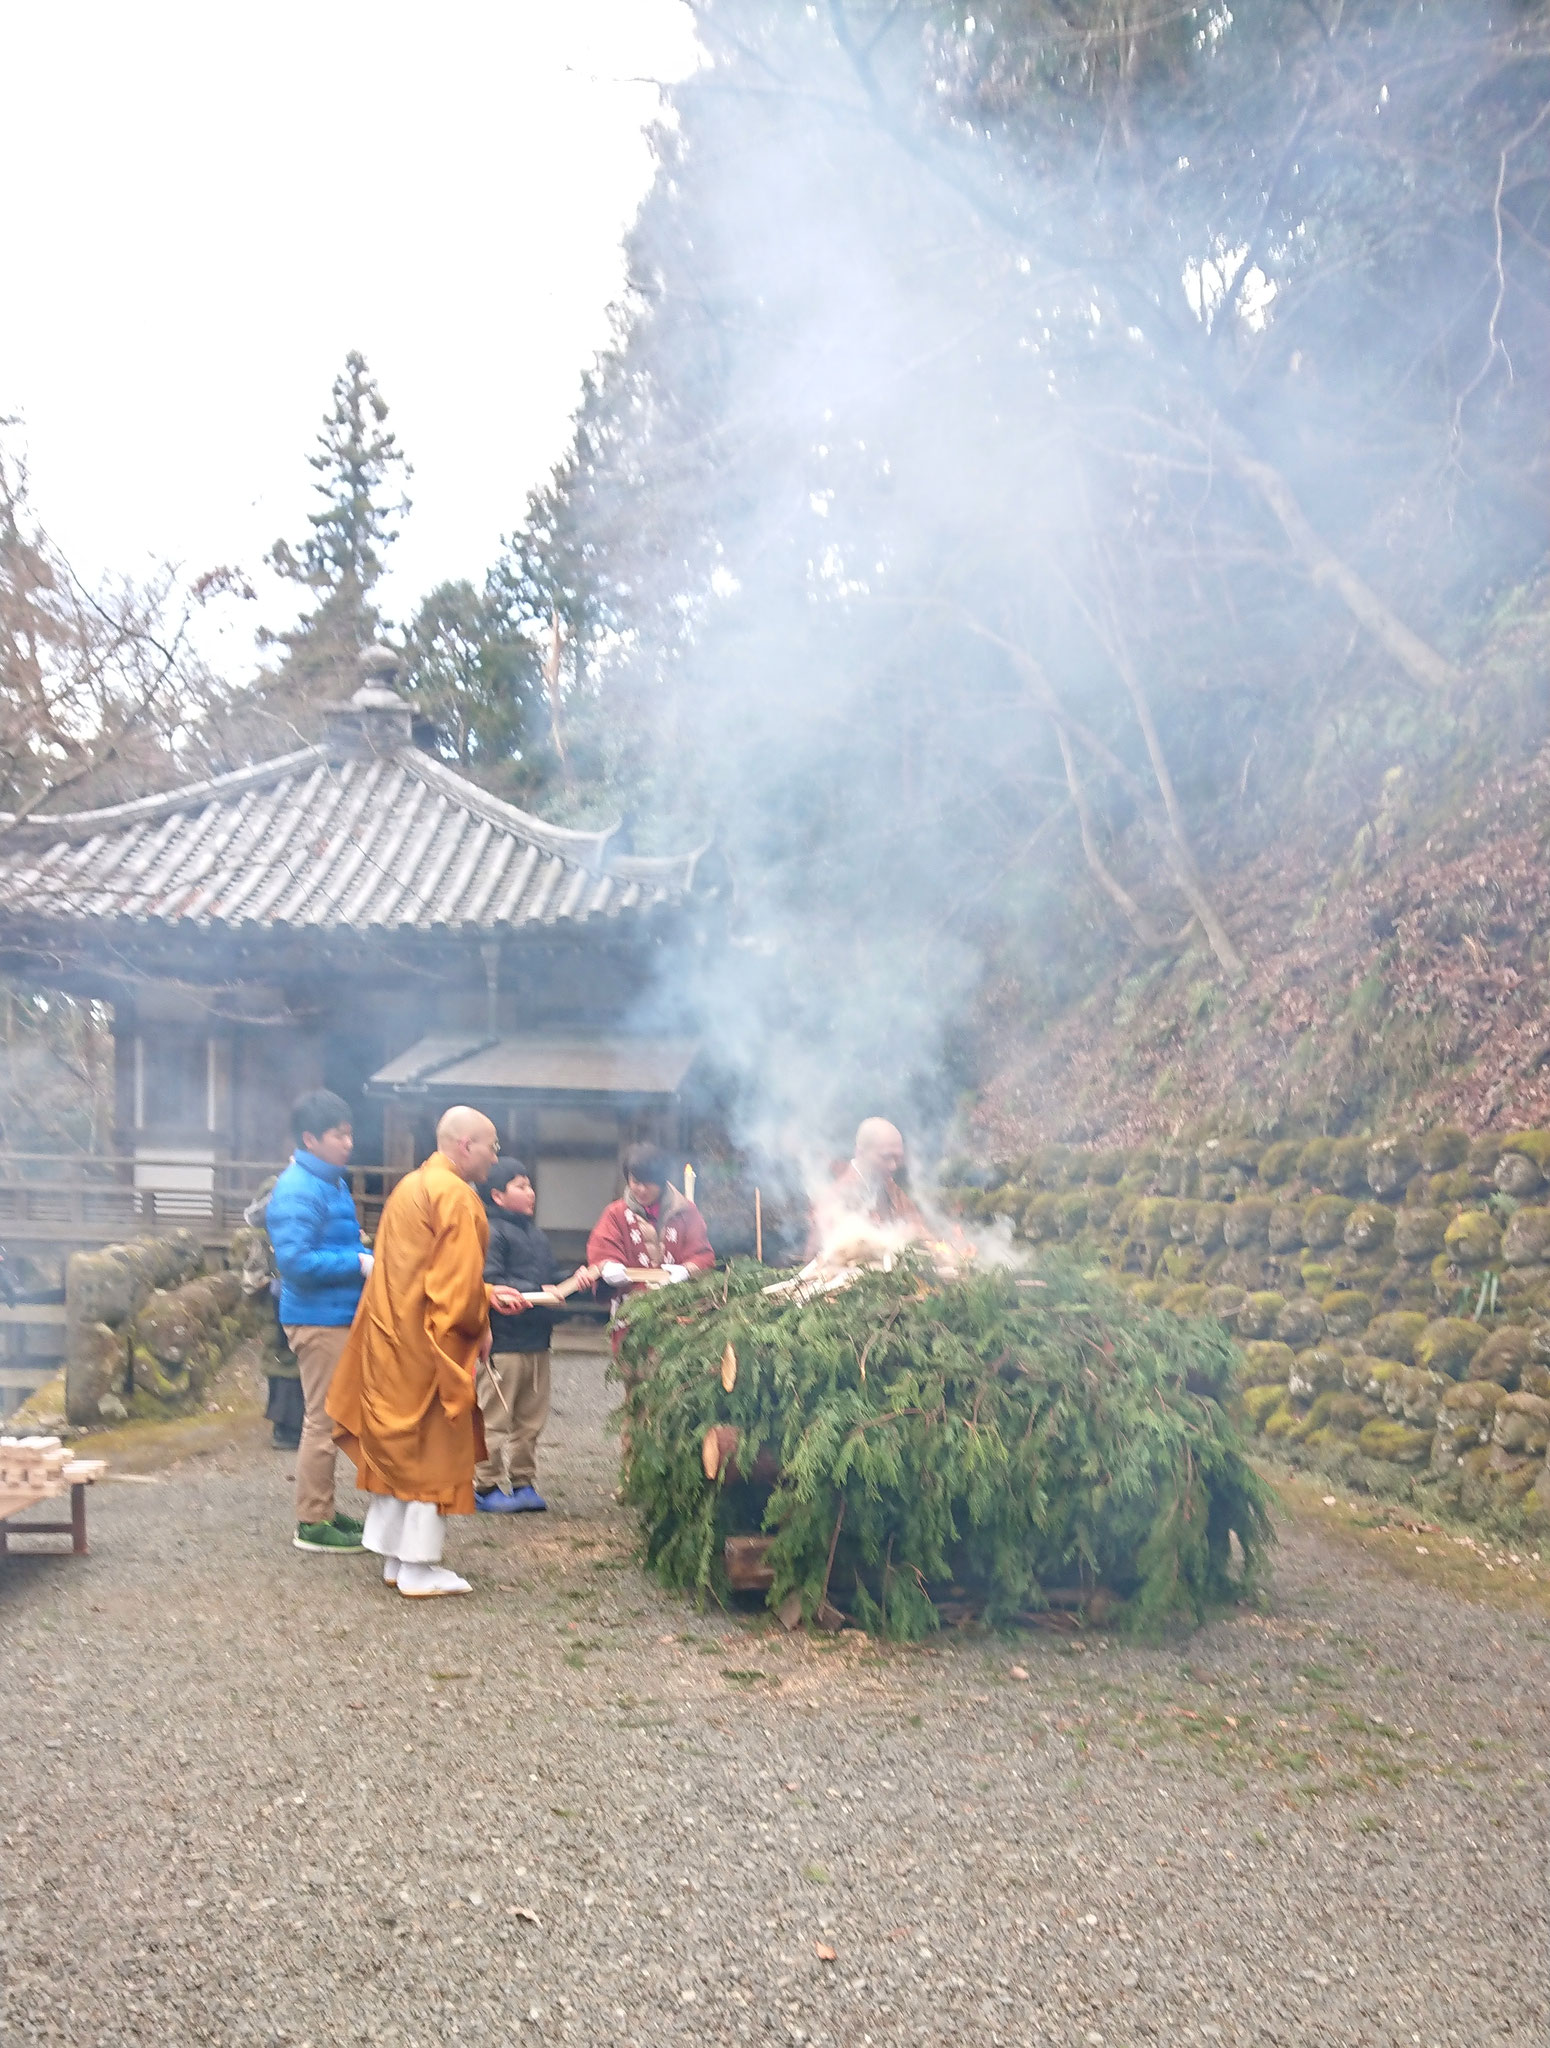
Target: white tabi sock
(426,1581)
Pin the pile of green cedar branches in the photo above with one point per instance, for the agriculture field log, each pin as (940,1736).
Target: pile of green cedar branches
(1006,1436)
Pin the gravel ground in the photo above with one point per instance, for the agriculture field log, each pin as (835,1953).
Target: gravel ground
(251,1796)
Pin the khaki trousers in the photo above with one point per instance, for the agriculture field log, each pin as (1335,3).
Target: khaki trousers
(514,1400)
(317,1350)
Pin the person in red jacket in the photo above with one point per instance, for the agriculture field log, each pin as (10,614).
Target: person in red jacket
(653,1225)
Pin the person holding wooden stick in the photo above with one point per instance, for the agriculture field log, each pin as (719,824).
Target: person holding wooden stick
(513,1381)
(653,1227)
(403,1401)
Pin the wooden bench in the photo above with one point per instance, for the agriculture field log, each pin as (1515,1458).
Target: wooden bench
(28,1483)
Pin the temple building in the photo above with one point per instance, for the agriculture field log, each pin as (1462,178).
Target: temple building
(359,916)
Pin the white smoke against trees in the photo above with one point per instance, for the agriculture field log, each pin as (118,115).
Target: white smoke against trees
(947,496)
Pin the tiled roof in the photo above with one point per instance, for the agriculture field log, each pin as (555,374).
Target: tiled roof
(395,843)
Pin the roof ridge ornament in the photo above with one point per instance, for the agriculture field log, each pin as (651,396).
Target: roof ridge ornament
(376,722)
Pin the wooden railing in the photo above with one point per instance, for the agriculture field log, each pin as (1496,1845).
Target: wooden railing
(78,1200)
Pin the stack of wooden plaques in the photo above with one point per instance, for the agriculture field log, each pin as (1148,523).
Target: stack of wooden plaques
(34,1468)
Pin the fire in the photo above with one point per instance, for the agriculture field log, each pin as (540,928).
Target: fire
(851,1245)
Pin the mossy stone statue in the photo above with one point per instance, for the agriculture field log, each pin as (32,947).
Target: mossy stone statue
(1502,1357)
(1447,1190)
(1071,1213)
(1153,1219)
(1526,1240)
(1396,1335)
(1522,1423)
(1208,1221)
(1106,1168)
(1278,1163)
(1466,1416)
(1318,1369)
(1189,1300)
(1395,1443)
(1258,1404)
(1444,1148)
(1150,1293)
(1414,1395)
(1484,1152)
(1181,1222)
(1266,1364)
(1419,1234)
(1369,1228)
(1284,1230)
(1349,1414)
(1347,1170)
(1324,1221)
(1346,1313)
(1517,1174)
(1257,1317)
(1391,1163)
(1300,1323)
(1247,1222)
(1224,1303)
(1313,1160)
(1447,1345)
(1472,1238)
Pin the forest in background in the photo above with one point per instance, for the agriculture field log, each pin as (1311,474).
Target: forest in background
(1064,514)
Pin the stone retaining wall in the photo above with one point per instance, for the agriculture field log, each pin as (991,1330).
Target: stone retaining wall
(146,1327)
(1392,1293)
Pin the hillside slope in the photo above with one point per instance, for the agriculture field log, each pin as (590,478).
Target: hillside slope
(1409,985)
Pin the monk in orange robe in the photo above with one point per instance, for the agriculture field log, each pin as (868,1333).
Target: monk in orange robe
(402,1397)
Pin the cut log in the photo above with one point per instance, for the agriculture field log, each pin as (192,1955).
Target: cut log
(718,1456)
(747,1568)
(728,1368)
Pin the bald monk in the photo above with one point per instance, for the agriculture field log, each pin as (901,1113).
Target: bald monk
(868,1188)
(402,1397)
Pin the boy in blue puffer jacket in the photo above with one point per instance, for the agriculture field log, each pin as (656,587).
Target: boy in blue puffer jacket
(323,1265)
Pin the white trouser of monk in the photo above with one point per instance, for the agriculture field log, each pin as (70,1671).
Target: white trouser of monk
(410,1530)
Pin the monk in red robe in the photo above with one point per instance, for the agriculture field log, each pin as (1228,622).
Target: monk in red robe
(402,1397)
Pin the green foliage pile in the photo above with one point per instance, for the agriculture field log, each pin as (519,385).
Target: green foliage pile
(1005,1436)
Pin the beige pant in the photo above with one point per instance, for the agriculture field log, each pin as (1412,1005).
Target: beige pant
(514,1400)
(317,1352)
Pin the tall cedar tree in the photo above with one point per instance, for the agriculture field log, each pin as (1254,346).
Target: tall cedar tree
(360,470)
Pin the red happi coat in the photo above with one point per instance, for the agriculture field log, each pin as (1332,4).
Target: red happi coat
(682,1239)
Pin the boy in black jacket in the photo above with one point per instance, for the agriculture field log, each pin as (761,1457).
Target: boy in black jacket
(514,1380)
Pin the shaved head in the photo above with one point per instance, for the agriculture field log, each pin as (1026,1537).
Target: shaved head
(879,1146)
(468,1141)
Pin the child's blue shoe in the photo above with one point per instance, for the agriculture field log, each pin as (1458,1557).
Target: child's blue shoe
(527,1500)
(497,1503)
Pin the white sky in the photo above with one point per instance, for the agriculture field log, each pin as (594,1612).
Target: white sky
(212,200)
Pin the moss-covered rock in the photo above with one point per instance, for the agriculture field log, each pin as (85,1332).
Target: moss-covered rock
(1318,1277)
(1181,1222)
(1473,1239)
(1395,1443)
(1347,1169)
(1391,1163)
(1247,1222)
(1151,1293)
(1142,1161)
(1522,1423)
(1396,1335)
(1324,1221)
(1260,1403)
(1152,1219)
(1501,1357)
(1369,1229)
(1346,1312)
(1266,1364)
(1282,1419)
(1447,1190)
(1419,1233)
(1447,1345)
(1278,1163)
(1257,1317)
(1041,1218)
(1300,1323)
(1524,1281)
(1071,1213)
(1348,1414)
(1106,1169)
(1444,1148)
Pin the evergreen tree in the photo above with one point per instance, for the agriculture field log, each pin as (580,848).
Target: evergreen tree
(359,465)
(475,676)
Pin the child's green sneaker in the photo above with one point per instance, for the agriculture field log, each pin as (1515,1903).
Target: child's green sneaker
(325,1536)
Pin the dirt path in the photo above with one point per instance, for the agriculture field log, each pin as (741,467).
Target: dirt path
(249,1796)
